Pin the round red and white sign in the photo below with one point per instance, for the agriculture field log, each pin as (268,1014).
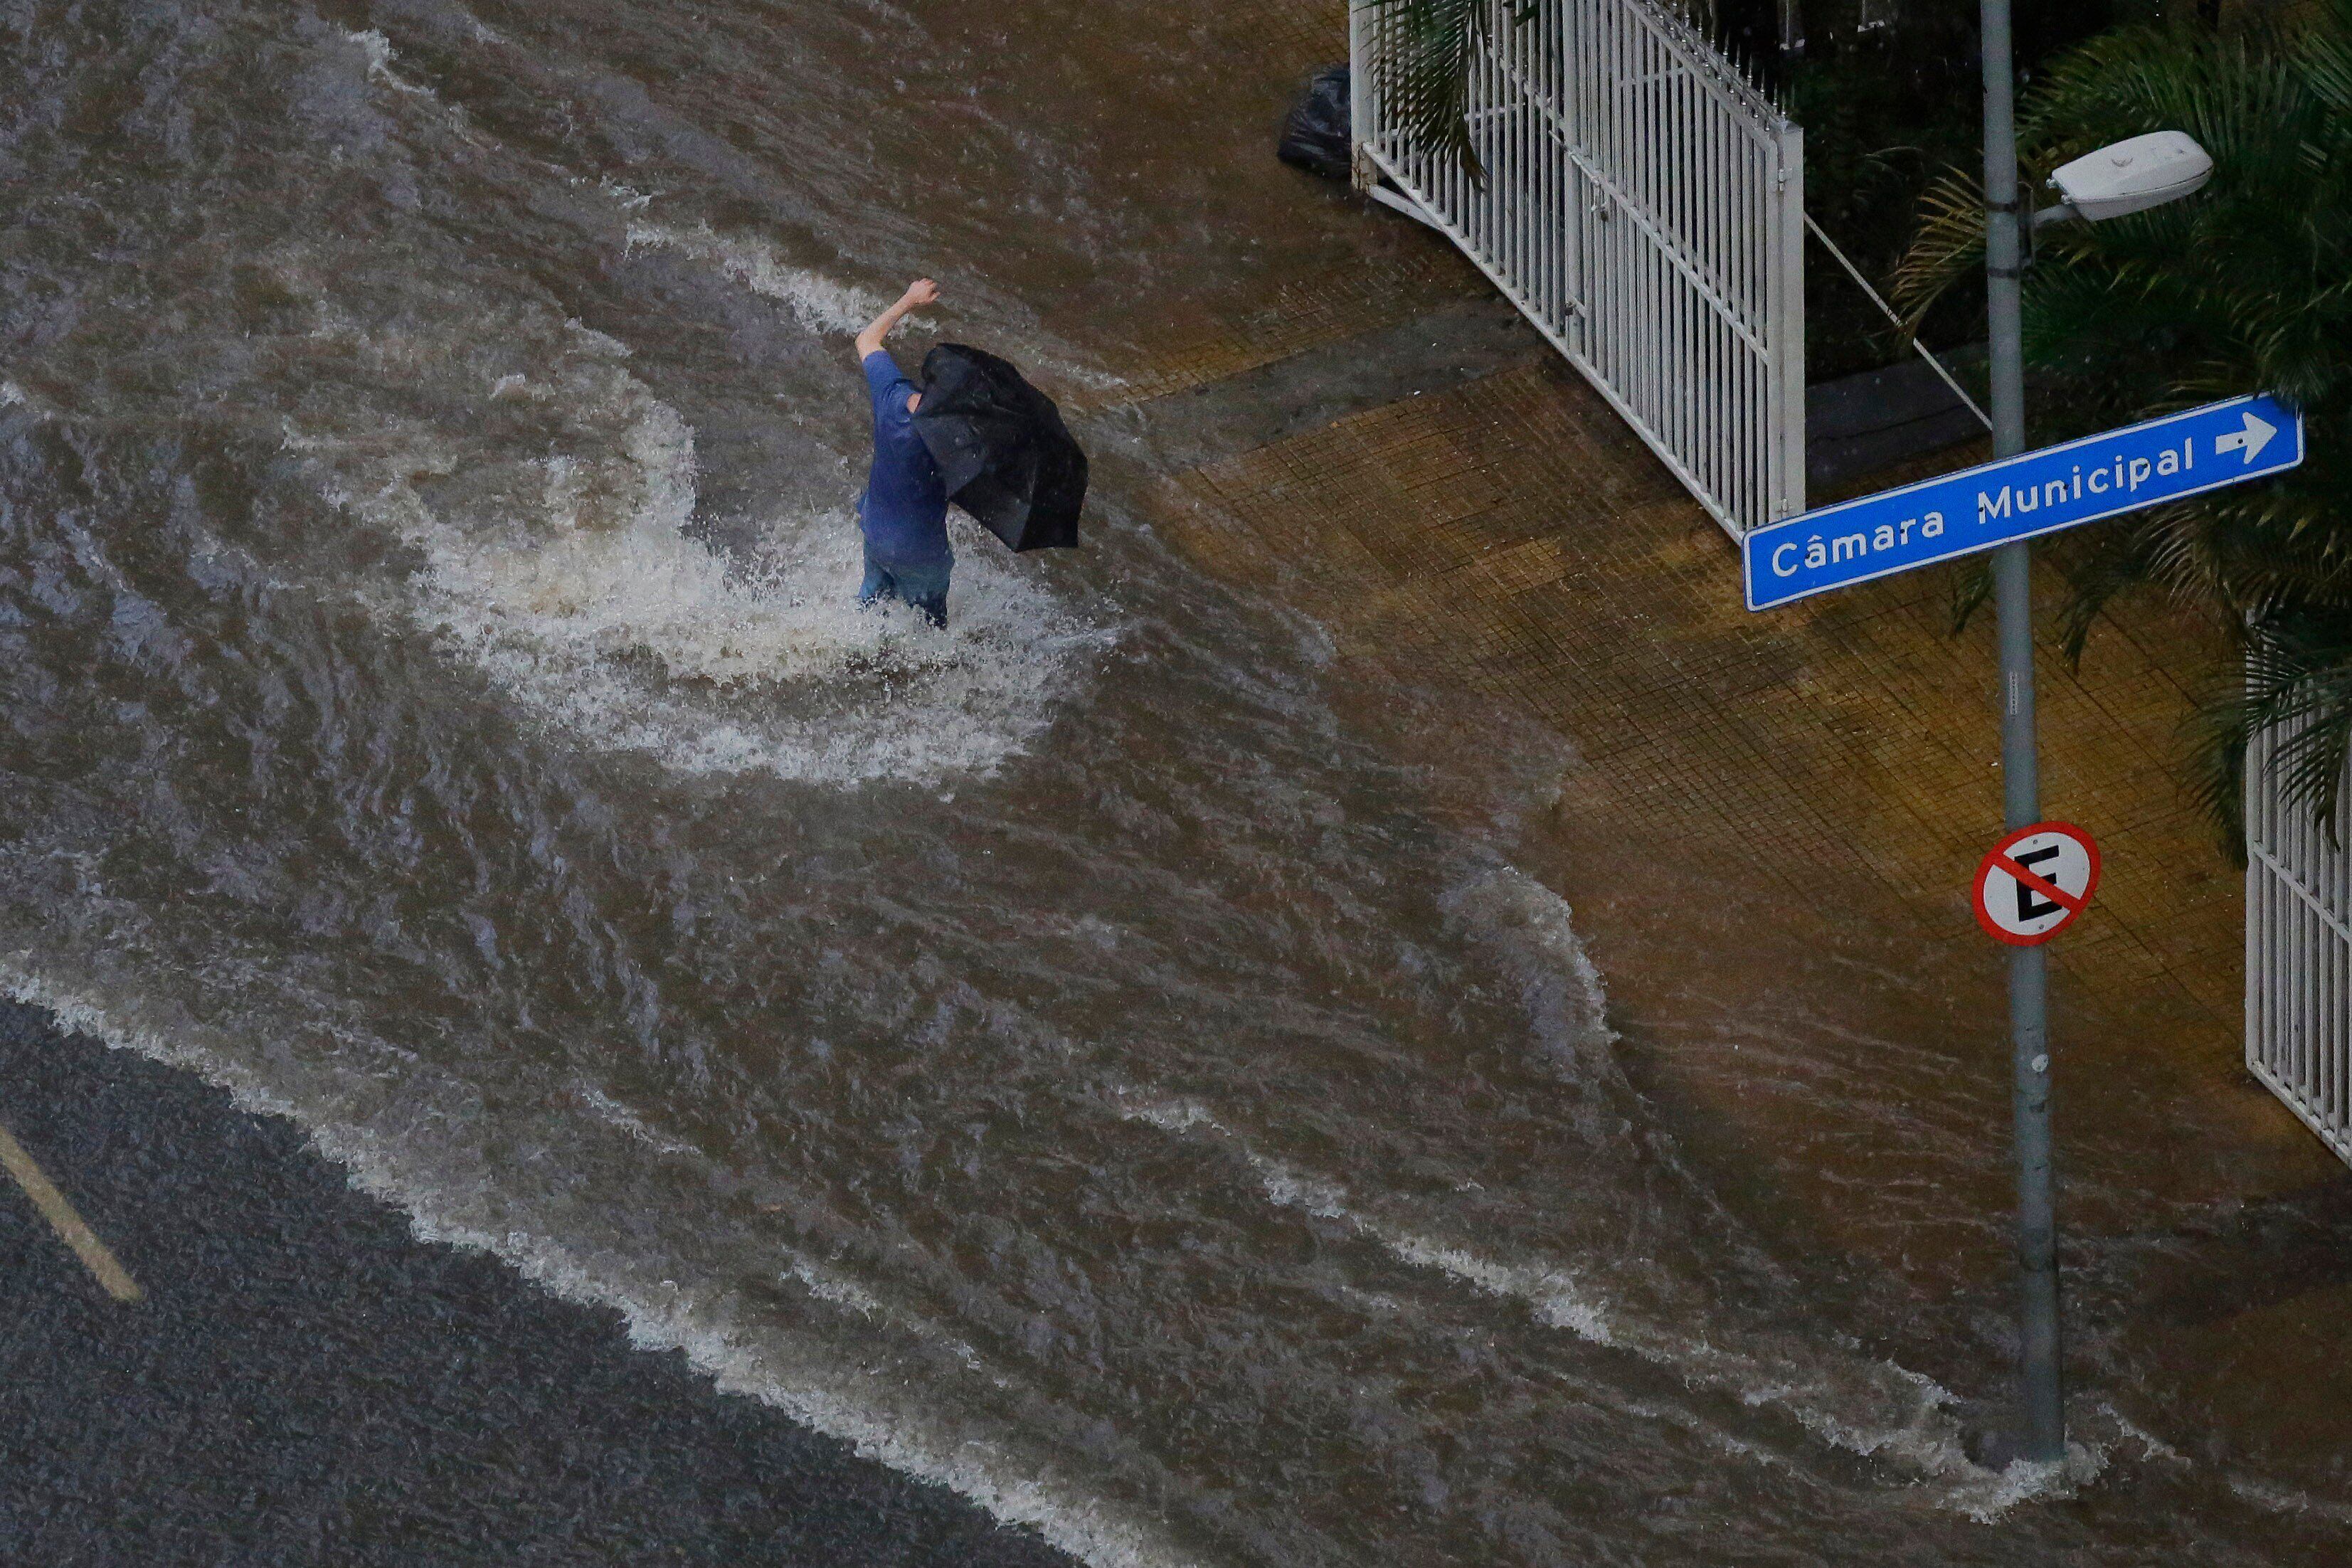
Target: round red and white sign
(2035,882)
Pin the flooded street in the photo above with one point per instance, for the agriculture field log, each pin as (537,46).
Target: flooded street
(1077,1056)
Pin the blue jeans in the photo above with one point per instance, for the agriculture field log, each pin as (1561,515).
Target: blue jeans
(924,587)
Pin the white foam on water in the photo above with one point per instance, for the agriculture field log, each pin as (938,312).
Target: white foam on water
(824,304)
(1533,931)
(627,197)
(585,597)
(2122,1429)
(377,50)
(2278,1499)
(827,1285)
(817,301)
(612,1113)
(14,396)
(1169,1116)
(1555,1299)
(1987,1496)
(1866,1406)
(590,604)
(720,1338)
(1291,1191)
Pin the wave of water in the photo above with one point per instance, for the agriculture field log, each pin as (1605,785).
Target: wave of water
(608,578)
(1056,1055)
(740,1347)
(1868,1408)
(577,582)
(817,301)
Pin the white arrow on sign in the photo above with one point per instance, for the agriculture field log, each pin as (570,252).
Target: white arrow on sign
(2250,440)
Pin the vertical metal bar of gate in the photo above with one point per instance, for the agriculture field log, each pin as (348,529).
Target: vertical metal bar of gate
(2298,952)
(1643,205)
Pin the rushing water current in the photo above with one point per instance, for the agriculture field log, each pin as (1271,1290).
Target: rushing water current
(1058,1054)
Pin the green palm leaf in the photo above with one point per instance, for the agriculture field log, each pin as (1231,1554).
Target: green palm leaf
(2248,287)
(1423,67)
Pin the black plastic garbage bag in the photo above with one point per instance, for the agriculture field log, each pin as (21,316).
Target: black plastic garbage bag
(1316,137)
(1001,448)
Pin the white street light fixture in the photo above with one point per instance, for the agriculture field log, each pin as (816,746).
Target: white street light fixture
(2131,177)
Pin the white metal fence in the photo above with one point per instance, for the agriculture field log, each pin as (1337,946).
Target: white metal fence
(1644,208)
(2298,955)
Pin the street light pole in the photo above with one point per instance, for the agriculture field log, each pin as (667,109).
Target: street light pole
(2037,1223)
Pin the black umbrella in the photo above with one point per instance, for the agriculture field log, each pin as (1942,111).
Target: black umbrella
(1001,447)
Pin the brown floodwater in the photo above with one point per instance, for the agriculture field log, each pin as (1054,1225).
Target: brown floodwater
(1076,1056)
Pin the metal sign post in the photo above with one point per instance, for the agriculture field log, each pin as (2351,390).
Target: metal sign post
(1999,506)
(2037,1218)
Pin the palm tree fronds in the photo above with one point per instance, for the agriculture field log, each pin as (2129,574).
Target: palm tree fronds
(1966,585)
(2246,286)
(1949,246)
(1424,70)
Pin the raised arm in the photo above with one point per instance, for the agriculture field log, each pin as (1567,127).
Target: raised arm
(922,292)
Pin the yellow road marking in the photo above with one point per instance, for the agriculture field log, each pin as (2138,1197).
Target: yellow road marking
(64,1222)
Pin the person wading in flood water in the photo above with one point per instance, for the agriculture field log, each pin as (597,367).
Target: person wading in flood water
(904,511)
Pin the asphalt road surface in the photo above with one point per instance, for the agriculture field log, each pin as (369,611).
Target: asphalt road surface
(300,1380)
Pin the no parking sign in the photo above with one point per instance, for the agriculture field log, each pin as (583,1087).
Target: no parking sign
(2035,882)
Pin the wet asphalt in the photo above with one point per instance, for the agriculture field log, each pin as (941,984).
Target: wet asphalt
(304,1382)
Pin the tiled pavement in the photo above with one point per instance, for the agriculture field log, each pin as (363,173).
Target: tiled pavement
(1507,540)
(1504,537)
(1513,536)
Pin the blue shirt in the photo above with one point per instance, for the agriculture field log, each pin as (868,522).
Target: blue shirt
(904,510)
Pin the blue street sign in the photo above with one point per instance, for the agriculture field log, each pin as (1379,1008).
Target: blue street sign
(2022,497)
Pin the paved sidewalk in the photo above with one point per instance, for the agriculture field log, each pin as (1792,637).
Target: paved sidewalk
(1514,536)
(1492,530)
(1801,986)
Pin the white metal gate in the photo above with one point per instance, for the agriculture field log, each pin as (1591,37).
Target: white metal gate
(2298,955)
(1644,208)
